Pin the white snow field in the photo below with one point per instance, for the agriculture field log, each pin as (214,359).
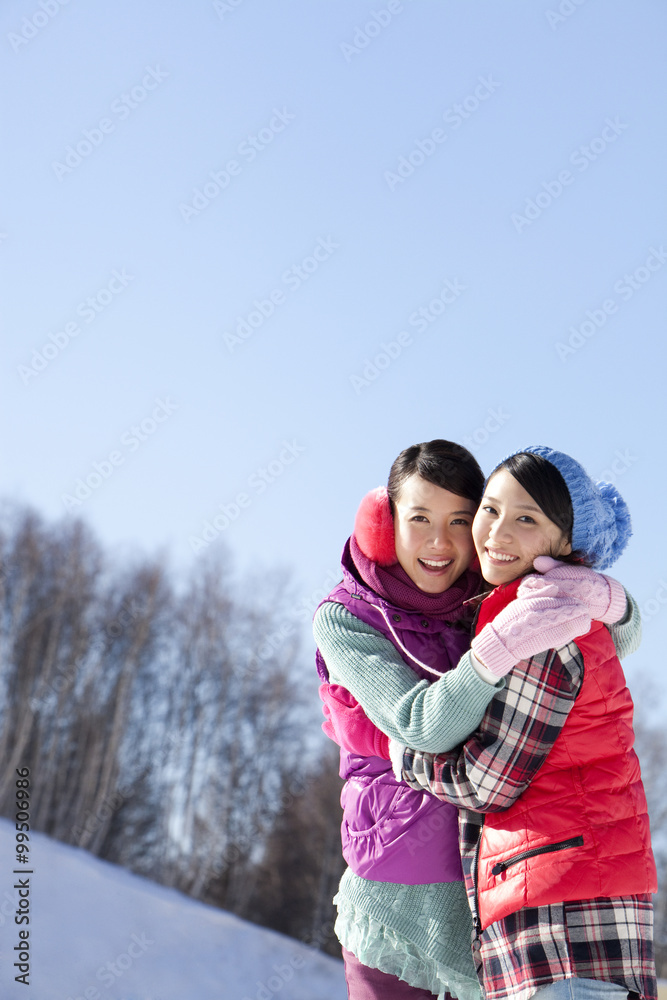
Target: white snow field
(98,932)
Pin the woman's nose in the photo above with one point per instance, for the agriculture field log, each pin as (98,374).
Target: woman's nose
(498,528)
(439,538)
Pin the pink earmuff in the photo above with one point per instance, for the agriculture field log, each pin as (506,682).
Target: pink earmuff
(374,528)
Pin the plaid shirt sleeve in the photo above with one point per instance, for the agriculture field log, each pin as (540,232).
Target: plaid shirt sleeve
(497,763)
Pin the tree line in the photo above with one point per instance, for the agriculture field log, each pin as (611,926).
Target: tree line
(161,729)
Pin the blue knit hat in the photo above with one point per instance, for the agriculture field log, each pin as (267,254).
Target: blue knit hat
(601,528)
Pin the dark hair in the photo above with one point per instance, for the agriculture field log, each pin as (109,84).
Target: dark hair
(442,463)
(548,489)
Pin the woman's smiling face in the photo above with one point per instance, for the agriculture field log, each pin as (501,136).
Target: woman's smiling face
(510,530)
(432,530)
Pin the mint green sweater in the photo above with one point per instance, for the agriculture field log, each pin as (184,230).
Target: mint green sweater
(420,933)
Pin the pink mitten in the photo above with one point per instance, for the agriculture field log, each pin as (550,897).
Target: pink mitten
(603,596)
(540,619)
(348,725)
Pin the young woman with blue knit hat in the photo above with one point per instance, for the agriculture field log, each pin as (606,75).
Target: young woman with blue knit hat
(554,827)
(390,637)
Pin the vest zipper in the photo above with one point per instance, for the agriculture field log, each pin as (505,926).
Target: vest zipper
(547,849)
(476,922)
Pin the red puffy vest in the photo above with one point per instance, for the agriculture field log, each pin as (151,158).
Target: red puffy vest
(581,828)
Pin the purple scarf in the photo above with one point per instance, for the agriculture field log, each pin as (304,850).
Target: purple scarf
(394,585)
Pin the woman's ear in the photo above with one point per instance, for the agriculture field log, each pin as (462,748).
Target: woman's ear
(565,548)
(374,528)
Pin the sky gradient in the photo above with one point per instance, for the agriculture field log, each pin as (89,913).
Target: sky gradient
(253,250)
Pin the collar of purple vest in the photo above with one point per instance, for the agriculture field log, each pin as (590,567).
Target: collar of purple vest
(430,645)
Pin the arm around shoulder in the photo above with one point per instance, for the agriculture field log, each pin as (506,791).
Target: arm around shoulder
(627,633)
(435,717)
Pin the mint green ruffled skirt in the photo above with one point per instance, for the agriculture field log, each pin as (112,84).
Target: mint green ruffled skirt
(420,933)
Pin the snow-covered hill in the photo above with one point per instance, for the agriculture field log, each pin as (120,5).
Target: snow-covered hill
(97,932)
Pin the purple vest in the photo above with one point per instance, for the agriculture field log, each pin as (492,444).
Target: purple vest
(390,832)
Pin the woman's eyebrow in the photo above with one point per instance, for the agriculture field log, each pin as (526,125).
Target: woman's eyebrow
(427,510)
(520,506)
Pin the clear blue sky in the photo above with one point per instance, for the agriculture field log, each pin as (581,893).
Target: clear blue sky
(217,215)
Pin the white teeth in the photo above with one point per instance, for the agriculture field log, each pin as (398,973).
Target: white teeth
(500,556)
(436,563)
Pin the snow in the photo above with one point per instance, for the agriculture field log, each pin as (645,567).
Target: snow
(98,932)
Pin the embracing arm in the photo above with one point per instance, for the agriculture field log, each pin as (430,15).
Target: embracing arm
(437,716)
(519,728)
(495,766)
(627,632)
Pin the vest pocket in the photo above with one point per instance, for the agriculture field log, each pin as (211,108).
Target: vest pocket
(562,845)
(374,809)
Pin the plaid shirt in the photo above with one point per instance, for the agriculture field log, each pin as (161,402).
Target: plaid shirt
(607,939)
